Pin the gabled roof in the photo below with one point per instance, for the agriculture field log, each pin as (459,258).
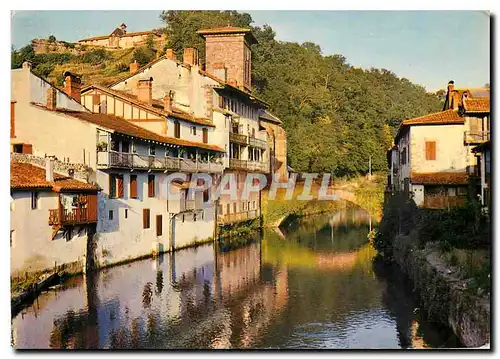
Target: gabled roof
(268,116)
(28,176)
(477,105)
(156,107)
(145,67)
(437,118)
(439,178)
(119,125)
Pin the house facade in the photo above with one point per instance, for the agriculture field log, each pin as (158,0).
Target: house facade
(432,157)
(220,96)
(61,212)
(140,210)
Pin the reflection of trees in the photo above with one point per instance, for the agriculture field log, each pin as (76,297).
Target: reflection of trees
(413,328)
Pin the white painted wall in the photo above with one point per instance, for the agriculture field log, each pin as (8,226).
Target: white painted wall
(32,248)
(418,193)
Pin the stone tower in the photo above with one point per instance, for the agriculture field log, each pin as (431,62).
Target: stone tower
(229,48)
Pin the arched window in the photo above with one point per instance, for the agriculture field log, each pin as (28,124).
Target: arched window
(177,129)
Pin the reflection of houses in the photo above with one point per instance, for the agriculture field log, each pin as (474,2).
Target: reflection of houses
(121,39)
(51,215)
(432,156)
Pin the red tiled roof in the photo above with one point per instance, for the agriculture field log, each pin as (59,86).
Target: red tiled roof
(440,118)
(479,104)
(126,127)
(27,176)
(458,178)
(156,107)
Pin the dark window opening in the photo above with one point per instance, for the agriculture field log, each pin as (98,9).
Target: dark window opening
(34,200)
(110,215)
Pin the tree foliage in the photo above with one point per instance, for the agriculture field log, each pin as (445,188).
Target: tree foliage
(336,115)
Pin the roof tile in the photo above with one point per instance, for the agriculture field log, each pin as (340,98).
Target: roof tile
(458,178)
(443,117)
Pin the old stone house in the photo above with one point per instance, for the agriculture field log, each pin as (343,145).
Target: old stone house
(432,157)
(253,142)
(121,39)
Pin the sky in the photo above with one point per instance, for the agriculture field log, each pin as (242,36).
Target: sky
(427,47)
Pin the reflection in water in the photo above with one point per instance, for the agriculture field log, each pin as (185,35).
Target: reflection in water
(313,285)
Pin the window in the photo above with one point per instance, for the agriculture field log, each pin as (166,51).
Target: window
(119,185)
(126,213)
(206,195)
(34,200)
(461,191)
(23,148)
(145,218)
(125,146)
(133,186)
(228,208)
(177,129)
(205,135)
(115,186)
(430,150)
(151,185)
(152,150)
(110,215)
(12,238)
(193,130)
(194,217)
(254,205)
(244,206)
(159,225)
(234,207)
(18,148)
(182,218)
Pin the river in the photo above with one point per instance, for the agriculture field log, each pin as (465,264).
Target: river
(313,284)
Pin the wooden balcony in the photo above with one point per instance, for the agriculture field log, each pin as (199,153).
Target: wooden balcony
(238,138)
(236,164)
(84,214)
(123,160)
(258,166)
(230,218)
(255,142)
(443,202)
(476,137)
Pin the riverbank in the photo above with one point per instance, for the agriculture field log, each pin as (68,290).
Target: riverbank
(446,254)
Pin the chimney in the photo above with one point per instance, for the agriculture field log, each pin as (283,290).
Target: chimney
(51,98)
(168,101)
(191,56)
(73,85)
(220,71)
(451,86)
(49,169)
(171,54)
(134,67)
(145,91)
(26,64)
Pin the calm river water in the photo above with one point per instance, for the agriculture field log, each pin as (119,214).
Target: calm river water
(311,285)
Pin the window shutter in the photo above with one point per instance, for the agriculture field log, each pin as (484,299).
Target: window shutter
(221,101)
(27,148)
(120,186)
(112,186)
(145,218)
(430,150)
(159,227)
(151,185)
(205,135)
(133,186)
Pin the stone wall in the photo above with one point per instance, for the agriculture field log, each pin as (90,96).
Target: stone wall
(81,171)
(443,294)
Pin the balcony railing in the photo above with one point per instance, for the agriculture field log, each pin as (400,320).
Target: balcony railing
(255,142)
(238,138)
(476,137)
(114,159)
(71,217)
(224,219)
(236,164)
(258,166)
